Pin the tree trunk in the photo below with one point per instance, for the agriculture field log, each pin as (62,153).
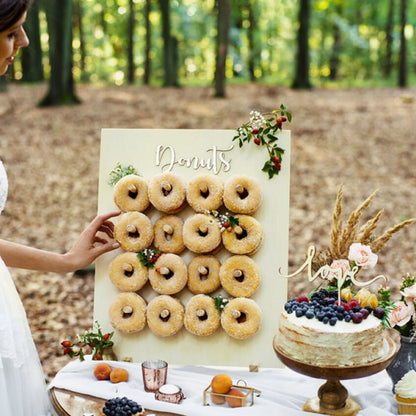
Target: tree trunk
(223,29)
(388,64)
(170,78)
(32,69)
(251,44)
(61,84)
(3,83)
(402,53)
(130,47)
(302,61)
(148,42)
(78,14)
(336,47)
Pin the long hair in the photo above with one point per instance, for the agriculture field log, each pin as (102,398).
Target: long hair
(11,11)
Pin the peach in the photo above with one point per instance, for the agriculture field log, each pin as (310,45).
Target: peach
(102,371)
(235,401)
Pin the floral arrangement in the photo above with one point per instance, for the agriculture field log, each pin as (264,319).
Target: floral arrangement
(353,248)
(225,221)
(262,129)
(94,340)
(148,257)
(402,312)
(354,245)
(120,172)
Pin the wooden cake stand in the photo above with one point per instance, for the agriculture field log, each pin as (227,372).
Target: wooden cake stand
(333,396)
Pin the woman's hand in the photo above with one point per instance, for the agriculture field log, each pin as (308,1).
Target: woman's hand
(96,239)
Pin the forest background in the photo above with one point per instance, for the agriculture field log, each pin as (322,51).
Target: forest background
(346,70)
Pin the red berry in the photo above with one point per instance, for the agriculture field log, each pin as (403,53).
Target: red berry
(157,270)
(364,313)
(276,159)
(282,119)
(106,336)
(66,344)
(98,356)
(353,303)
(255,131)
(346,306)
(67,350)
(226,224)
(257,141)
(302,298)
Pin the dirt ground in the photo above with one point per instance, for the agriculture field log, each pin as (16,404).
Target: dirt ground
(364,139)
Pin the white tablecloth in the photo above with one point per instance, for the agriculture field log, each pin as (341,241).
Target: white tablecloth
(283,392)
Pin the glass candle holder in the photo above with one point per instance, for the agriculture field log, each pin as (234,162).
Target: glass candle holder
(154,374)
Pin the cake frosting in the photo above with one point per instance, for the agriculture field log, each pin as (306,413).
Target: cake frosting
(406,386)
(343,344)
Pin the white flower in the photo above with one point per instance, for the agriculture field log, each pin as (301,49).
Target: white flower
(362,255)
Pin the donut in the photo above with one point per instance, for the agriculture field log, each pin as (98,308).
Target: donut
(165,315)
(240,276)
(131,194)
(133,231)
(168,234)
(202,318)
(201,234)
(204,192)
(244,238)
(241,318)
(242,194)
(127,272)
(128,313)
(167,192)
(203,274)
(169,275)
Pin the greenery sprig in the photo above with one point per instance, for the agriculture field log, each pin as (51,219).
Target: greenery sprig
(148,257)
(120,172)
(220,302)
(225,221)
(262,129)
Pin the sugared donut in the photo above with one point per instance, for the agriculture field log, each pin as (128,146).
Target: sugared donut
(244,238)
(204,274)
(240,276)
(128,313)
(201,233)
(165,315)
(241,318)
(167,192)
(204,192)
(168,234)
(133,231)
(169,275)
(131,193)
(128,273)
(242,194)
(202,318)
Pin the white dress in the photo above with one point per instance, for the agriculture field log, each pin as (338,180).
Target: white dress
(22,382)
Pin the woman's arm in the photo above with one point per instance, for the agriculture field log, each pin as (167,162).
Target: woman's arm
(88,247)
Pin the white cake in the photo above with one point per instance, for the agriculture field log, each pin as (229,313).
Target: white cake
(343,344)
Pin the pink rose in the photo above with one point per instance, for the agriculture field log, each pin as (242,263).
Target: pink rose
(342,265)
(362,255)
(401,314)
(409,294)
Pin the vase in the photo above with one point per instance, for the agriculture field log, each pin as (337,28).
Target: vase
(106,354)
(404,361)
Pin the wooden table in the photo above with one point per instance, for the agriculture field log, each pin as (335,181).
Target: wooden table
(68,403)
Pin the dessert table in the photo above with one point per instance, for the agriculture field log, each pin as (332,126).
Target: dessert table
(282,391)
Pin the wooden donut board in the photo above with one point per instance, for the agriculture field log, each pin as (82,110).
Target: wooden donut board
(155,151)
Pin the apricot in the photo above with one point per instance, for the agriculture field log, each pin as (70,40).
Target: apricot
(235,401)
(221,383)
(118,375)
(102,371)
(216,399)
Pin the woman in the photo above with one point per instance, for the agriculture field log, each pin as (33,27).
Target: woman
(22,383)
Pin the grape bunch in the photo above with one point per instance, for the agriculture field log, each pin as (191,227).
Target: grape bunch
(121,407)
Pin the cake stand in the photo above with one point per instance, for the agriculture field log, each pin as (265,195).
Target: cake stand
(333,396)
